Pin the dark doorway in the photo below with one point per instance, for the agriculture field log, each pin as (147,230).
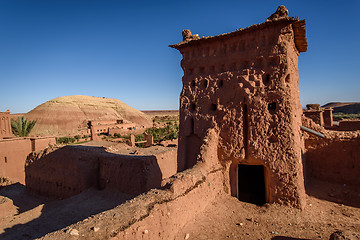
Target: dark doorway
(251,183)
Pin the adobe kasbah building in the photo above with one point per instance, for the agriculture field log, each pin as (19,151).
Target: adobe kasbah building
(244,85)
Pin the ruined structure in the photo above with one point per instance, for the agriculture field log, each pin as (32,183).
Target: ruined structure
(67,171)
(5,125)
(109,127)
(244,84)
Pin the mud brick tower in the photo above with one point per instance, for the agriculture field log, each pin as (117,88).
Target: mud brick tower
(244,84)
(5,126)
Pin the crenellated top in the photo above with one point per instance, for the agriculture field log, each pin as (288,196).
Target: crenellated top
(280,16)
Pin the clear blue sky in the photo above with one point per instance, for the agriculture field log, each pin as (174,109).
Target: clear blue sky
(119,49)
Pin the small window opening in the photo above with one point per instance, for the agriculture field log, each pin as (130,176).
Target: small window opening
(192,107)
(192,126)
(193,83)
(273,139)
(5,159)
(206,83)
(221,83)
(272,107)
(213,107)
(251,184)
(266,79)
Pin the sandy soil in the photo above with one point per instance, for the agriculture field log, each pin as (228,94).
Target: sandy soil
(225,218)
(38,216)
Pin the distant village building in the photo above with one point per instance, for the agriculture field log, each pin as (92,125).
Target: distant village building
(110,127)
(5,125)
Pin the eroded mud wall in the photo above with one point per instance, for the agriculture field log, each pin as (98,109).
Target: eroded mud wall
(67,171)
(334,159)
(245,85)
(129,174)
(63,172)
(160,213)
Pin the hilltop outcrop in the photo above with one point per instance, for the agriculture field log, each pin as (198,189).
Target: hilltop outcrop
(70,114)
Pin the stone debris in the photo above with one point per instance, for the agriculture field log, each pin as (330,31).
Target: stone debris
(95,229)
(72,232)
(344,235)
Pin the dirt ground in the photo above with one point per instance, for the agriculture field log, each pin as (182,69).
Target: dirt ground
(36,216)
(329,208)
(227,218)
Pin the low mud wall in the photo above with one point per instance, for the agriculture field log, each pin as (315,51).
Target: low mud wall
(13,153)
(349,125)
(63,172)
(67,171)
(335,158)
(129,174)
(160,213)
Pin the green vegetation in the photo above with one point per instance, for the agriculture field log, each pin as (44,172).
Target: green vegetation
(22,127)
(169,132)
(117,135)
(340,116)
(71,140)
(65,140)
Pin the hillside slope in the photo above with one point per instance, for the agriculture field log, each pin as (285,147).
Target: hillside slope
(70,114)
(344,107)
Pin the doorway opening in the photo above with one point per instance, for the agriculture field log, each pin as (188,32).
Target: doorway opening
(251,184)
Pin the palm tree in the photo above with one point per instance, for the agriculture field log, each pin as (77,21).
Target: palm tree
(22,127)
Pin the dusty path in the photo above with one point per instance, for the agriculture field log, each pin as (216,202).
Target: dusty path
(227,218)
(39,216)
(329,208)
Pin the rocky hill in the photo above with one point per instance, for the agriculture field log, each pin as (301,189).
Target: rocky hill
(344,107)
(70,114)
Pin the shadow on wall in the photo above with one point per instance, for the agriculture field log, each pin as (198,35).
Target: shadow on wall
(70,170)
(58,214)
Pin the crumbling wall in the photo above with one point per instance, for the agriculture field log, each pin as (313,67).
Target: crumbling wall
(328,117)
(335,158)
(129,174)
(316,116)
(67,171)
(62,172)
(161,213)
(349,125)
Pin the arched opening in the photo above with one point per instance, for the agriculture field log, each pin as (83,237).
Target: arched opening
(251,184)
